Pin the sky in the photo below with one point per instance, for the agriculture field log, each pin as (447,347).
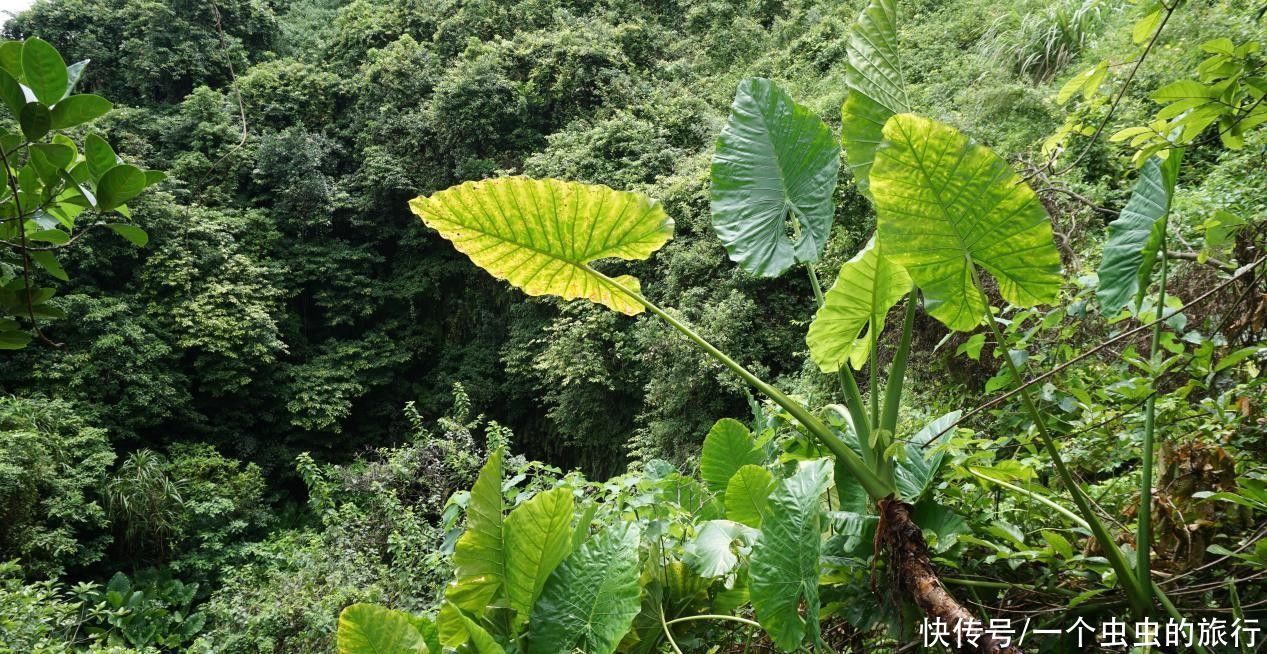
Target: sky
(12,6)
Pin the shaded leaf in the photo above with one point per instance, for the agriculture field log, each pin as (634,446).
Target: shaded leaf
(479,559)
(79,109)
(1135,236)
(747,495)
(773,175)
(45,71)
(784,567)
(118,185)
(915,471)
(591,599)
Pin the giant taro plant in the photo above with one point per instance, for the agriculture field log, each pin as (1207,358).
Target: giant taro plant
(949,213)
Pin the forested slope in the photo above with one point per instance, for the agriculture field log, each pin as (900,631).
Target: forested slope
(282,396)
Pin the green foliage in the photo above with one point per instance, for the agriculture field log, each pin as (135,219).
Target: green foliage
(877,89)
(590,600)
(491,223)
(785,564)
(852,317)
(370,629)
(728,447)
(53,467)
(538,535)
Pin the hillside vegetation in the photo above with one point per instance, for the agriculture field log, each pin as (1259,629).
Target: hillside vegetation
(543,326)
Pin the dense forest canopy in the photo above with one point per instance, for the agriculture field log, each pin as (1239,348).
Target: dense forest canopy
(266,390)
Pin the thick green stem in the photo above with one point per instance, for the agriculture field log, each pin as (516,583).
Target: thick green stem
(1144,528)
(897,372)
(845,456)
(1134,593)
(1069,515)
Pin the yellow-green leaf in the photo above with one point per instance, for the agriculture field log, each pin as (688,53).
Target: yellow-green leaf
(541,234)
(943,204)
(854,309)
(538,537)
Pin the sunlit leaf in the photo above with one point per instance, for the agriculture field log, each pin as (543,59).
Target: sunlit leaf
(538,537)
(373,629)
(727,448)
(479,559)
(45,71)
(747,495)
(540,235)
(944,203)
(855,308)
(712,552)
(876,86)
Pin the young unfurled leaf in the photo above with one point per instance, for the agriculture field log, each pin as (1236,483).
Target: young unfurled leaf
(854,309)
(785,567)
(1135,237)
(538,537)
(944,203)
(591,599)
(877,89)
(727,448)
(773,175)
(373,629)
(479,558)
(748,495)
(540,235)
(45,71)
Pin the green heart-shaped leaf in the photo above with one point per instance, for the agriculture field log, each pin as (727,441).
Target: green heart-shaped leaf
(727,448)
(373,629)
(1135,236)
(773,176)
(538,537)
(877,89)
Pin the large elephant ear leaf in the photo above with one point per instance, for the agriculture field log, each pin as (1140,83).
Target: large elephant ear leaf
(784,566)
(479,558)
(876,86)
(915,471)
(373,629)
(854,309)
(1135,237)
(541,234)
(773,175)
(728,447)
(591,599)
(945,205)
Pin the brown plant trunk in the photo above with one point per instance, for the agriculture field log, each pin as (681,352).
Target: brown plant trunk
(914,575)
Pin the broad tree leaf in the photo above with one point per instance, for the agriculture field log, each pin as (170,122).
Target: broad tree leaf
(79,109)
(100,155)
(866,288)
(727,448)
(118,185)
(1135,236)
(373,629)
(45,71)
(591,599)
(915,471)
(35,121)
(134,235)
(748,495)
(538,537)
(773,175)
(944,203)
(785,567)
(876,86)
(479,557)
(541,234)
(11,94)
(712,553)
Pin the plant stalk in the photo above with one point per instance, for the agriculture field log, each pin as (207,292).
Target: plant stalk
(1134,592)
(894,385)
(849,388)
(1144,528)
(845,456)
